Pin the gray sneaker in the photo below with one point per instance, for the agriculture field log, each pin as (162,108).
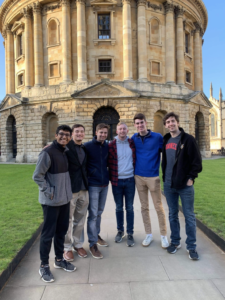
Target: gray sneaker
(130,240)
(65,265)
(119,236)
(46,274)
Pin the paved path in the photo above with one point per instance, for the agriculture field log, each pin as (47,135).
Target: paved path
(136,273)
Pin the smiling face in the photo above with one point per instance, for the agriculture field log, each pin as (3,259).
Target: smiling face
(78,134)
(102,134)
(63,137)
(141,125)
(172,124)
(122,131)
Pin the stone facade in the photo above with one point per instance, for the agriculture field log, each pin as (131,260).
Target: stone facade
(100,61)
(217,122)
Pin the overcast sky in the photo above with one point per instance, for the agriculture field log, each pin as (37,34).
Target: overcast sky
(213,50)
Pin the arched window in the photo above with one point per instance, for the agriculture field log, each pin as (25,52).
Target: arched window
(213,125)
(53,32)
(200,130)
(11,137)
(155,36)
(49,125)
(158,122)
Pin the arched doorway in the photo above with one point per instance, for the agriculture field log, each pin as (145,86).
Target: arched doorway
(158,122)
(11,136)
(107,115)
(199,130)
(49,126)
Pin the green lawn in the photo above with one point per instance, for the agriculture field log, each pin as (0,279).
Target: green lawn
(20,211)
(210,195)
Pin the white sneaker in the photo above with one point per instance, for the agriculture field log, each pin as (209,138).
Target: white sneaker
(147,241)
(164,242)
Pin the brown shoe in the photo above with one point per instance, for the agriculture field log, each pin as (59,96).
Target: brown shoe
(95,252)
(101,242)
(68,255)
(81,252)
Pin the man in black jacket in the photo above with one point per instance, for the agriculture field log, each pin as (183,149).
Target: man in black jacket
(98,180)
(181,163)
(77,158)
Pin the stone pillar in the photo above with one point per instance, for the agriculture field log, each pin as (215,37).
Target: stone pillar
(142,44)
(38,46)
(201,45)
(66,41)
(28,49)
(127,41)
(6,64)
(170,43)
(197,57)
(180,45)
(81,41)
(10,61)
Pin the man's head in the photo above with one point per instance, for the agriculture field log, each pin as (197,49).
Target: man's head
(171,121)
(63,135)
(78,133)
(102,132)
(140,123)
(122,130)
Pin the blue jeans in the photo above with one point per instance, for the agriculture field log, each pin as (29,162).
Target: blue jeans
(126,188)
(187,199)
(97,199)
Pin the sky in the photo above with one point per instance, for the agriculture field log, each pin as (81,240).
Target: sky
(213,51)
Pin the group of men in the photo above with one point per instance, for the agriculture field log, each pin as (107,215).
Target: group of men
(73,179)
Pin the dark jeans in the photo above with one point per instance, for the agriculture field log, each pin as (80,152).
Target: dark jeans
(97,199)
(187,199)
(126,188)
(56,223)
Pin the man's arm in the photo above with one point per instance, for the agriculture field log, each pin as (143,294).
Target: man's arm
(43,164)
(194,158)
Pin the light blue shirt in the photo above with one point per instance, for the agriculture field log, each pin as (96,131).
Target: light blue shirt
(125,159)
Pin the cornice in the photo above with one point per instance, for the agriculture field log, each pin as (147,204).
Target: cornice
(141,2)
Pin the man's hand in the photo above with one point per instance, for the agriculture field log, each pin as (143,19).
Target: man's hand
(190,182)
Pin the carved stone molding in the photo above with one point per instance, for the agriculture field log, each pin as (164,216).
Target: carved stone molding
(141,3)
(8,28)
(169,7)
(179,11)
(65,2)
(47,8)
(154,6)
(81,1)
(126,1)
(197,26)
(36,7)
(27,12)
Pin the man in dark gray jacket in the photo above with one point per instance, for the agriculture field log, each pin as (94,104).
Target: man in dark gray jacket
(52,176)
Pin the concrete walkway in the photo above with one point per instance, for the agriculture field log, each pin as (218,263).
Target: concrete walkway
(124,273)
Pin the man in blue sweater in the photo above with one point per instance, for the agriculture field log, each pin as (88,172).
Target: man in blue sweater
(148,146)
(98,180)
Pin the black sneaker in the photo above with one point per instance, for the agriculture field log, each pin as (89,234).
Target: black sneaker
(46,274)
(130,240)
(173,248)
(119,236)
(65,265)
(193,254)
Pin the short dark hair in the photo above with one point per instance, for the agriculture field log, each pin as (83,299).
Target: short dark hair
(101,126)
(139,116)
(64,128)
(171,114)
(77,125)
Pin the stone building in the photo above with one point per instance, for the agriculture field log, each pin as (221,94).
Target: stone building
(92,61)
(217,122)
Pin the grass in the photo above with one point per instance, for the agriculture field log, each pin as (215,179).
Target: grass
(210,195)
(20,210)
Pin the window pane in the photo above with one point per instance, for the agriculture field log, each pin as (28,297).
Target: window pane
(212,125)
(186,43)
(104,26)
(52,31)
(104,65)
(188,77)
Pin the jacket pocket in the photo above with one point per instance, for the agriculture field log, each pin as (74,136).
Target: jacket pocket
(49,192)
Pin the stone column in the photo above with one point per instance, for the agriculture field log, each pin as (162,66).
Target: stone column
(66,41)
(28,49)
(197,57)
(6,64)
(201,45)
(38,46)
(142,44)
(10,61)
(127,41)
(180,45)
(170,43)
(81,41)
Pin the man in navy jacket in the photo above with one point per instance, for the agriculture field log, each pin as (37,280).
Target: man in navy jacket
(98,180)
(148,146)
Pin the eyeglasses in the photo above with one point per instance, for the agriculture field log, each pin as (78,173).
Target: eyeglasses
(62,134)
